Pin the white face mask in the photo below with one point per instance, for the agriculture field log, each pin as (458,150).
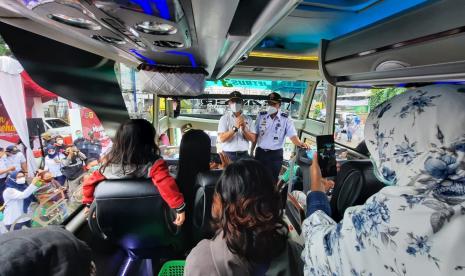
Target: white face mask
(21,180)
(271,110)
(60,142)
(235,107)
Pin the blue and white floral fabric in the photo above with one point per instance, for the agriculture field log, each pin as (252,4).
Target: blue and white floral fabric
(416,226)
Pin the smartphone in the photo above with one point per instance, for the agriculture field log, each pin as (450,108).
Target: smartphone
(326,155)
(215,157)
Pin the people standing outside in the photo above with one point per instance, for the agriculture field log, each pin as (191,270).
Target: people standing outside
(272,127)
(80,142)
(47,139)
(235,129)
(349,127)
(18,196)
(54,163)
(16,159)
(60,144)
(73,168)
(94,147)
(4,170)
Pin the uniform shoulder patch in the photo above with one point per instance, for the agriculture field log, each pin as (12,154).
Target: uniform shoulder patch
(263,113)
(285,115)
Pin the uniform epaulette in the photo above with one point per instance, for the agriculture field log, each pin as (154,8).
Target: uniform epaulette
(285,115)
(263,112)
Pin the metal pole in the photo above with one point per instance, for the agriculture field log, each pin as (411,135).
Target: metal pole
(134,88)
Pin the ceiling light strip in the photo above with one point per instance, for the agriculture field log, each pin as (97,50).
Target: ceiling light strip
(282,56)
(146,59)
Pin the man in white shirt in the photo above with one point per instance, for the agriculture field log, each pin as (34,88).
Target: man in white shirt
(236,130)
(16,159)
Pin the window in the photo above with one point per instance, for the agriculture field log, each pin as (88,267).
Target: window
(254,92)
(318,106)
(56,123)
(63,118)
(352,108)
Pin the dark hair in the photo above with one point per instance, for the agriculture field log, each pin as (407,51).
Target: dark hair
(134,145)
(194,157)
(249,213)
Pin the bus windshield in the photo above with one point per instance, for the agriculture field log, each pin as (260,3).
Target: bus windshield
(254,91)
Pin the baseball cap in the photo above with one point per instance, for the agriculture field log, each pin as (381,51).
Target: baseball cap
(12,149)
(46,136)
(274,98)
(235,95)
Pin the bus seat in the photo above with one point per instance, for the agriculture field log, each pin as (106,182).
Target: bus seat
(355,183)
(132,214)
(304,164)
(205,188)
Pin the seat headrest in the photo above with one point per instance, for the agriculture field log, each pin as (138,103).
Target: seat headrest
(132,213)
(204,190)
(208,178)
(355,183)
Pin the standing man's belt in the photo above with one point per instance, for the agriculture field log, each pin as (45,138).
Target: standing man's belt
(268,150)
(237,152)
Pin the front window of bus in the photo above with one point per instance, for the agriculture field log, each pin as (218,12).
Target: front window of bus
(207,108)
(214,103)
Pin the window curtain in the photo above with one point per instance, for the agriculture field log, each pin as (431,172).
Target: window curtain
(12,95)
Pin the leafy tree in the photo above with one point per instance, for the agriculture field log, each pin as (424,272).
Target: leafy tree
(379,96)
(4,49)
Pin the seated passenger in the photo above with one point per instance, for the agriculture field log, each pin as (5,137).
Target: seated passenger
(251,237)
(135,155)
(18,196)
(194,157)
(415,225)
(51,251)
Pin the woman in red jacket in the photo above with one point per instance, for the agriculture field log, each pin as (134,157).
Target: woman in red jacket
(135,155)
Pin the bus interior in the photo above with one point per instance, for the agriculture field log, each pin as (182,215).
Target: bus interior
(174,62)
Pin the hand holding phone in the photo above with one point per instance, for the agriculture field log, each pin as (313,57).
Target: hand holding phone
(326,155)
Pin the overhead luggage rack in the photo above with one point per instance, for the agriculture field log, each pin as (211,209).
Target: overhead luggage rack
(420,46)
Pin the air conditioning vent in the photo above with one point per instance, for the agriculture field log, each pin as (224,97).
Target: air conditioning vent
(109,39)
(74,21)
(168,44)
(155,28)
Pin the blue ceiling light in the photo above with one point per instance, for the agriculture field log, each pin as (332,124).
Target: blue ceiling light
(189,55)
(319,21)
(144,5)
(146,59)
(161,5)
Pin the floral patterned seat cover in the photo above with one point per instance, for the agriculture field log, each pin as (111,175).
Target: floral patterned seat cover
(416,224)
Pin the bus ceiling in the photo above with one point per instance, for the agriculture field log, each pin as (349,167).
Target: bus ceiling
(80,76)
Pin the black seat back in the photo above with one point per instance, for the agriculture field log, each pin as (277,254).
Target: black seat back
(355,183)
(133,214)
(205,188)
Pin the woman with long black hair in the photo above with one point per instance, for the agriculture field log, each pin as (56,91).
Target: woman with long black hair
(135,155)
(194,157)
(251,235)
